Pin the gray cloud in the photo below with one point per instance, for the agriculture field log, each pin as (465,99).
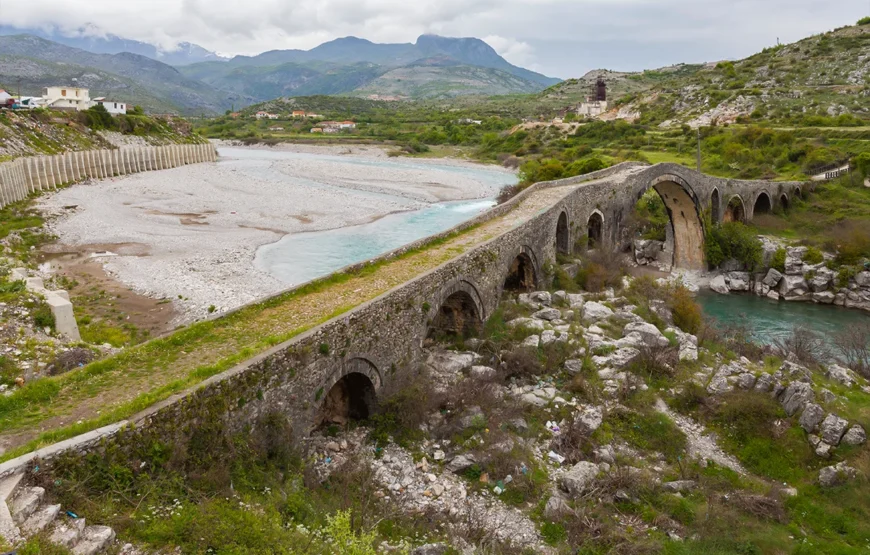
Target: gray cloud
(559,37)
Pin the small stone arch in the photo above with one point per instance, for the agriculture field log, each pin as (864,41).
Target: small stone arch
(735,211)
(522,272)
(798,193)
(460,311)
(350,393)
(762,204)
(563,235)
(595,230)
(784,202)
(715,206)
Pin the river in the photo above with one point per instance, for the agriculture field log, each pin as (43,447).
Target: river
(300,257)
(768,319)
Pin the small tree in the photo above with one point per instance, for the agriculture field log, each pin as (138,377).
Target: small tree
(854,345)
(99,118)
(864,21)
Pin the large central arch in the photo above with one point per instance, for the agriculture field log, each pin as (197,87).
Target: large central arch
(686,223)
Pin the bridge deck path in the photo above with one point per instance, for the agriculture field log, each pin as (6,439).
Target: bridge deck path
(116,388)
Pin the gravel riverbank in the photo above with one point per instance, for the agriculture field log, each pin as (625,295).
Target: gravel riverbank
(198,227)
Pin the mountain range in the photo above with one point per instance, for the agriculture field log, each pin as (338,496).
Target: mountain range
(193,80)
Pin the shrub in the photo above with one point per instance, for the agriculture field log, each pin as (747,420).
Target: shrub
(603,269)
(778,260)
(813,256)
(807,346)
(854,344)
(43,318)
(687,313)
(733,240)
(864,21)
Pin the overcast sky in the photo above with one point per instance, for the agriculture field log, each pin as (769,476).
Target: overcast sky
(562,38)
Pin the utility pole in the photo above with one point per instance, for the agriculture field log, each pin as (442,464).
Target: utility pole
(699,148)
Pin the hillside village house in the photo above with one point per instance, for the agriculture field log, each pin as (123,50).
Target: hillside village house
(67,98)
(111,106)
(265,115)
(298,113)
(336,126)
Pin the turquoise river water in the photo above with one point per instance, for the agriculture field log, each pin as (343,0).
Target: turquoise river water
(768,319)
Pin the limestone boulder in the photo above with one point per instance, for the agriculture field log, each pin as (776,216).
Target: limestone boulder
(588,419)
(772,278)
(738,281)
(648,333)
(450,362)
(811,417)
(618,359)
(832,429)
(557,507)
(460,463)
(862,279)
(841,374)
(574,366)
(560,298)
(718,285)
(547,314)
(794,260)
(482,373)
(575,302)
(855,436)
(542,297)
(793,287)
(821,281)
(825,297)
(527,323)
(836,475)
(595,312)
(796,396)
(581,476)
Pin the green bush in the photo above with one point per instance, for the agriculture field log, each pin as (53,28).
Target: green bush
(864,21)
(778,260)
(733,240)
(813,256)
(687,313)
(42,317)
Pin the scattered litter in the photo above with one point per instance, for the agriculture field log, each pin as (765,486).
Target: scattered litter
(556,457)
(71,514)
(508,479)
(497,490)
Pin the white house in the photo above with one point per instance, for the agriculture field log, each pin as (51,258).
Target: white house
(592,108)
(67,98)
(111,106)
(4,96)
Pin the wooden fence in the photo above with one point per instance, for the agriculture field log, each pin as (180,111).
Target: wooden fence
(23,176)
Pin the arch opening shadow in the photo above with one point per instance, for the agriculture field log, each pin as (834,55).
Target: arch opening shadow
(594,231)
(783,202)
(762,204)
(563,237)
(521,276)
(715,206)
(735,211)
(353,397)
(798,194)
(688,232)
(457,317)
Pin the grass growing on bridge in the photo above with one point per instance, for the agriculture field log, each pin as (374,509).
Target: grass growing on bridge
(118,387)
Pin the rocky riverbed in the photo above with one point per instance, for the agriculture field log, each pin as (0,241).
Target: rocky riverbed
(197,228)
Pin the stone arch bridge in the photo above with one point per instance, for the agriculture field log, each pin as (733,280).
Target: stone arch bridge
(334,371)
